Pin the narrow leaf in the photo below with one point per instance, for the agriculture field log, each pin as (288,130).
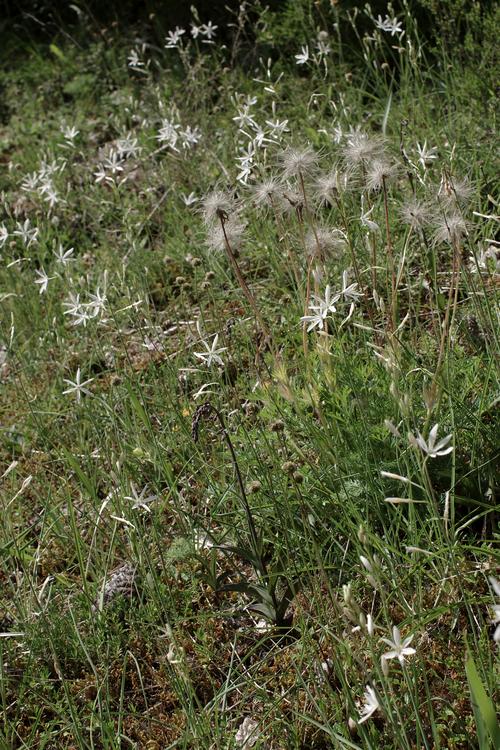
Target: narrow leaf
(484,710)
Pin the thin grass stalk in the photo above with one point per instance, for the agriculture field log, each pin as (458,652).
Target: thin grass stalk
(283,232)
(391,256)
(244,286)
(449,314)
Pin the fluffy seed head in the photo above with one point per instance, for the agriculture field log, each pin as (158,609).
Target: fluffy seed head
(233,231)
(325,242)
(450,228)
(462,190)
(454,191)
(298,161)
(267,192)
(328,186)
(362,148)
(215,205)
(415,213)
(293,202)
(380,171)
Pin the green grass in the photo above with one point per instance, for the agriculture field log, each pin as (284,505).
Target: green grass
(159,584)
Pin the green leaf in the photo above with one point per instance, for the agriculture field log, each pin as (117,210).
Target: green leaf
(484,710)
(263,609)
(245,553)
(57,52)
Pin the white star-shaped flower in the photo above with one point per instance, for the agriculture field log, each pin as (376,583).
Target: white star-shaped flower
(4,235)
(322,310)
(495,610)
(426,155)
(208,30)
(371,704)
(188,200)
(43,279)
(349,291)
(391,25)
(399,648)
(64,256)
(212,353)
(303,56)
(174,38)
(371,225)
(77,387)
(430,446)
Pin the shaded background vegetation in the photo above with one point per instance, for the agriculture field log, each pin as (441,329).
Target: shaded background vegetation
(458,25)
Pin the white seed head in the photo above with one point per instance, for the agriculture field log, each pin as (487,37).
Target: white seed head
(362,148)
(268,192)
(298,161)
(232,233)
(215,205)
(450,228)
(328,186)
(325,242)
(380,172)
(415,213)
(455,191)
(293,202)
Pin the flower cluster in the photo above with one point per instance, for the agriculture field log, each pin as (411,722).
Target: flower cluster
(325,306)
(204,31)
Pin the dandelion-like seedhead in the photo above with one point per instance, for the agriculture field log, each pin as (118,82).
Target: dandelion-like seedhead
(463,191)
(267,192)
(216,205)
(298,161)
(416,214)
(293,202)
(231,233)
(362,148)
(324,242)
(455,191)
(380,172)
(450,228)
(328,186)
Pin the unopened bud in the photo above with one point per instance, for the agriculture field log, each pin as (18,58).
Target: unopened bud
(254,487)
(370,625)
(277,426)
(288,467)
(347,593)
